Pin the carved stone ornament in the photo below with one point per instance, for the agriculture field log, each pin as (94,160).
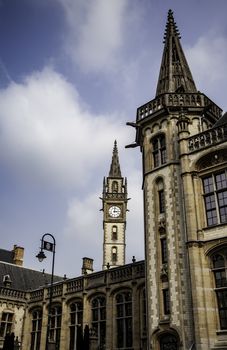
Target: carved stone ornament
(162,226)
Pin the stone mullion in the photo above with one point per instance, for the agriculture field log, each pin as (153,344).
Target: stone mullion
(109,320)
(136,317)
(65,322)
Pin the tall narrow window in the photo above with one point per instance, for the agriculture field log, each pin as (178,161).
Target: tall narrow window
(76,324)
(124,320)
(166,301)
(6,323)
(99,320)
(36,329)
(114,254)
(159,150)
(161,198)
(55,325)
(215,198)
(114,233)
(220,275)
(164,250)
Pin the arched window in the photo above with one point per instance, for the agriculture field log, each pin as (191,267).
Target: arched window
(114,254)
(159,150)
(219,262)
(36,329)
(168,342)
(99,319)
(55,325)
(76,323)
(124,320)
(114,233)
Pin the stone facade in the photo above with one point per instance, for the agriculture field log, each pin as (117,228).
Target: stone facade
(183,138)
(30,308)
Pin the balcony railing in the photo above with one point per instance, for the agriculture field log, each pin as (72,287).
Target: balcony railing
(174,99)
(207,138)
(12,293)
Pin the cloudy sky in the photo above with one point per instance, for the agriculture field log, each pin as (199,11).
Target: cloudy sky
(72,73)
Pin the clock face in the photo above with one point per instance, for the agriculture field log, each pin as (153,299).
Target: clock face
(114,211)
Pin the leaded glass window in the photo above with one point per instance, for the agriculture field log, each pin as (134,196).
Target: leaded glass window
(215,198)
(55,325)
(159,150)
(6,323)
(99,319)
(76,323)
(124,320)
(36,329)
(219,261)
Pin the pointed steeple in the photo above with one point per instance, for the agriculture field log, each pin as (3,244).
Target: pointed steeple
(175,75)
(115,170)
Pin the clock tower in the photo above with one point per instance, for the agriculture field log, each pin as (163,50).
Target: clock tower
(114,199)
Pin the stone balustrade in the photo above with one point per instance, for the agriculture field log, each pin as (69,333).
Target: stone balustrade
(12,293)
(207,138)
(178,99)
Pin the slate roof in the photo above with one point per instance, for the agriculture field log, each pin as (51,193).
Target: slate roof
(6,256)
(23,278)
(221,121)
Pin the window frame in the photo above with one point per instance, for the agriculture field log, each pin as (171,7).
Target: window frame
(99,321)
(76,320)
(6,324)
(221,288)
(55,325)
(36,330)
(159,150)
(124,320)
(215,197)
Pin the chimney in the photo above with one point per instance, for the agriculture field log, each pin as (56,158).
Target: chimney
(18,255)
(87,266)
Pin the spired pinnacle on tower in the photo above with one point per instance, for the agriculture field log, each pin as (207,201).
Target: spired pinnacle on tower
(175,75)
(115,170)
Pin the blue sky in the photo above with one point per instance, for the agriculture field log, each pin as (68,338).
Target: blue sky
(72,73)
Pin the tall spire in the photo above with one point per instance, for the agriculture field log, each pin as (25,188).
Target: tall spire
(175,75)
(115,170)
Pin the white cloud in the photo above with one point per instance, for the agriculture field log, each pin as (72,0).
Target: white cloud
(47,132)
(50,138)
(207,59)
(96,32)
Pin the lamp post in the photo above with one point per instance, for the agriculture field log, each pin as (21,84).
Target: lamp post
(49,246)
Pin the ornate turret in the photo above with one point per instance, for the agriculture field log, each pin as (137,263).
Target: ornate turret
(114,214)
(175,75)
(115,170)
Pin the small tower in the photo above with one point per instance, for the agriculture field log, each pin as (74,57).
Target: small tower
(114,199)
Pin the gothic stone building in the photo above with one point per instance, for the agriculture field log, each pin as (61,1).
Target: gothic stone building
(182,135)
(111,302)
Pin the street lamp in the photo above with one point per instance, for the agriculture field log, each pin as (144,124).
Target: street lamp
(50,246)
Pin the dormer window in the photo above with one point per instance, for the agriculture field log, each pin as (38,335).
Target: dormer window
(159,150)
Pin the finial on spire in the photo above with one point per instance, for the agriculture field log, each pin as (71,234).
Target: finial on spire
(115,170)
(171,26)
(175,75)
